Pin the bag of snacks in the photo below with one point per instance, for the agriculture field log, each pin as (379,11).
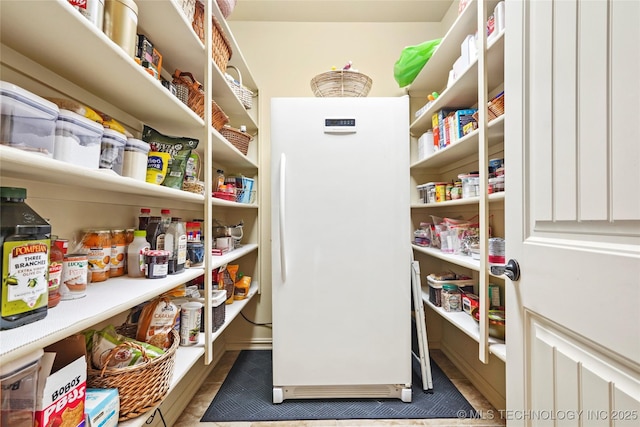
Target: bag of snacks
(156,321)
(180,149)
(108,341)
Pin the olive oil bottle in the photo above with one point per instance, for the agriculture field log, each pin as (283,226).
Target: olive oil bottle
(24,246)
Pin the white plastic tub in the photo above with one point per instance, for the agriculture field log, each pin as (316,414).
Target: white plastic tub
(28,120)
(77,140)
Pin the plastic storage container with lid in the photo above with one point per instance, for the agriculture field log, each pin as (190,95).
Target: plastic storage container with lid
(112,150)
(28,120)
(19,381)
(470,184)
(135,159)
(77,140)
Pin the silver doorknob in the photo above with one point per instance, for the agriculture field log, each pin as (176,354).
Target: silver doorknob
(512,270)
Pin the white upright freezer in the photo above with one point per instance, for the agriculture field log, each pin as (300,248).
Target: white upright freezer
(341,248)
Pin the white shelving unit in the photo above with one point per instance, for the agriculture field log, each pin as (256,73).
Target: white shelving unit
(466,154)
(466,324)
(50,49)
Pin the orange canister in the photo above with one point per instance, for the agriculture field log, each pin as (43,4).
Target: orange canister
(97,245)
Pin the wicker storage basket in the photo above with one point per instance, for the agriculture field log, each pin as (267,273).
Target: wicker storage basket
(341,83)
(188,8)
(221,47)
(189,91)
(141,387)
(238,139)
(244,95)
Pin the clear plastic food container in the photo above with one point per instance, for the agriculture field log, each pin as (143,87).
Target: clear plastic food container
(470,185)
(77,140)
(112,150)
(19,380)
(136,153)
(28,120)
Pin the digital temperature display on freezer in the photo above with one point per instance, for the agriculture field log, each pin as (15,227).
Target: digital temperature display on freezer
(339,125)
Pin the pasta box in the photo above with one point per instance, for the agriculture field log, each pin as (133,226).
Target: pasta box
(62,384)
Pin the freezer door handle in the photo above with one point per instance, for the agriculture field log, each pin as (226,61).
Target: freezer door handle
(283,261)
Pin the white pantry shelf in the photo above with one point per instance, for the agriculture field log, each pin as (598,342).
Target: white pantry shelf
(103,300)
(466,324)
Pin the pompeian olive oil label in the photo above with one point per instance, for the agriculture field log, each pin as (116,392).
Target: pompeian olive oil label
(25,276)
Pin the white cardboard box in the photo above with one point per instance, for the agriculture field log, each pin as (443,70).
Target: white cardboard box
(102,407)
(62,383)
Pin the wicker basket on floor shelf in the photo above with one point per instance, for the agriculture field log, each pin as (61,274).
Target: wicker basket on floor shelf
(341,83)
(242,93)
(190,91)
(238,139)
(140,387)
(221,47)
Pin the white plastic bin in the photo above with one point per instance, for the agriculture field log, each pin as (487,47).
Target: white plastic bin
(28,120)
(77,140)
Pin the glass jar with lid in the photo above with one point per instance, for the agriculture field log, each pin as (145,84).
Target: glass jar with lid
(451,298)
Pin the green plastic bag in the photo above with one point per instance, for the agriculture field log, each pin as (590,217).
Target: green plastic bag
(412,60)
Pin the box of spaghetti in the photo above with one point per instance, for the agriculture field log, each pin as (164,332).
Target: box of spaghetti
(62,384)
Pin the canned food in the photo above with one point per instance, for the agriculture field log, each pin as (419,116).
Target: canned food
(441,192)
(73,283)
(118,252)
(97,243)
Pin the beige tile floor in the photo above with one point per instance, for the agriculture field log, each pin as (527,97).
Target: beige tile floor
(192,414)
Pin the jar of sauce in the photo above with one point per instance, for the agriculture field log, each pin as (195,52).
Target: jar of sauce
(97,245)
(56,256)
(118,252)
(156,264)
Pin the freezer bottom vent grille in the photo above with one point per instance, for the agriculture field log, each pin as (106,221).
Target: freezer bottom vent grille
(342,391)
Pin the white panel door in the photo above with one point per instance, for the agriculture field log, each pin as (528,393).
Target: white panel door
(572,154)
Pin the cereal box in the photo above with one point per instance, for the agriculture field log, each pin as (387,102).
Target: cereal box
(62,383)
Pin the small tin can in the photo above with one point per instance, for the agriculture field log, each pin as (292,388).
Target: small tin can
(451,298)
(496,250)
(73,283)
(156,264)
(190,318)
